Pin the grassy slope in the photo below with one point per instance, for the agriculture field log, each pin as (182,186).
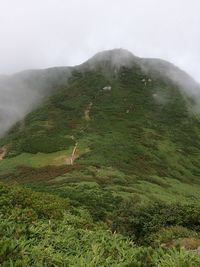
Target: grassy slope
(137,145)
(146,133)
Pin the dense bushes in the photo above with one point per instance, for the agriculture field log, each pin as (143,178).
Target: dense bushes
(97,201)
(59,243)
(142,222)
(33,233)
(175,236)
(44,143)
(25,200)
(127,144)
(127,118)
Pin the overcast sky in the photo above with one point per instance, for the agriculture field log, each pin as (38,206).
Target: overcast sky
(45,33)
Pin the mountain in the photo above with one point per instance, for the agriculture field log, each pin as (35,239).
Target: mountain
(100,152)
(116,113)
(123,112)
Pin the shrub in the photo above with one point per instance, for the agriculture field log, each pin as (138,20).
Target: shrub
(142,222)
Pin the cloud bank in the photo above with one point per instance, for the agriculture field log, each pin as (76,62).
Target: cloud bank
(40,34)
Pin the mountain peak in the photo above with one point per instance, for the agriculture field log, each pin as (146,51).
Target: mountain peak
(116,52)
(117,57)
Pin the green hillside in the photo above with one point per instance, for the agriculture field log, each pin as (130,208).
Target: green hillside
(118,139)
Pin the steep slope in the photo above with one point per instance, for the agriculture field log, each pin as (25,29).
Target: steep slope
(116,141)
(143,124)
(117,118)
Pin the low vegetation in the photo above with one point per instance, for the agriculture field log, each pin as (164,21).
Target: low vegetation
(130,198)
(39,229)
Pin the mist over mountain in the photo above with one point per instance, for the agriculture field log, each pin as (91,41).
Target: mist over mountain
(112,94)
(103,151)
(21,92)
(99,133)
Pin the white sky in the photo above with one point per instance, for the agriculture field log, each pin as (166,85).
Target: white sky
(45,33)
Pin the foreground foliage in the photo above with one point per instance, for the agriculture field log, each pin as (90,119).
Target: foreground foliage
(39,229)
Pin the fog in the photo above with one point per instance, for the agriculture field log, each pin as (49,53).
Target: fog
(14,104)
(40,34)
(21,92)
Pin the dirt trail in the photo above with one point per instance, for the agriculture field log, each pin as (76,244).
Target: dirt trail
(87,112)
(70,160)
(74,155)
(3,152)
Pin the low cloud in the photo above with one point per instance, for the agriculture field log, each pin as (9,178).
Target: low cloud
(21,92)
(48,33)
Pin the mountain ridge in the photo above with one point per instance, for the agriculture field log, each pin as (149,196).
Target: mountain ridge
(141,102)
(112,149)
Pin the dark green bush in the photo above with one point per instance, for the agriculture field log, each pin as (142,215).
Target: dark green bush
(141,222)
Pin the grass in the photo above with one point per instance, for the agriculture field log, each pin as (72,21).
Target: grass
(132,146)
(33,160)
(176,192)
(139,142)
(133,152)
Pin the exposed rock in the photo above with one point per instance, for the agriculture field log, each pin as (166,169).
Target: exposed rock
(107,88)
